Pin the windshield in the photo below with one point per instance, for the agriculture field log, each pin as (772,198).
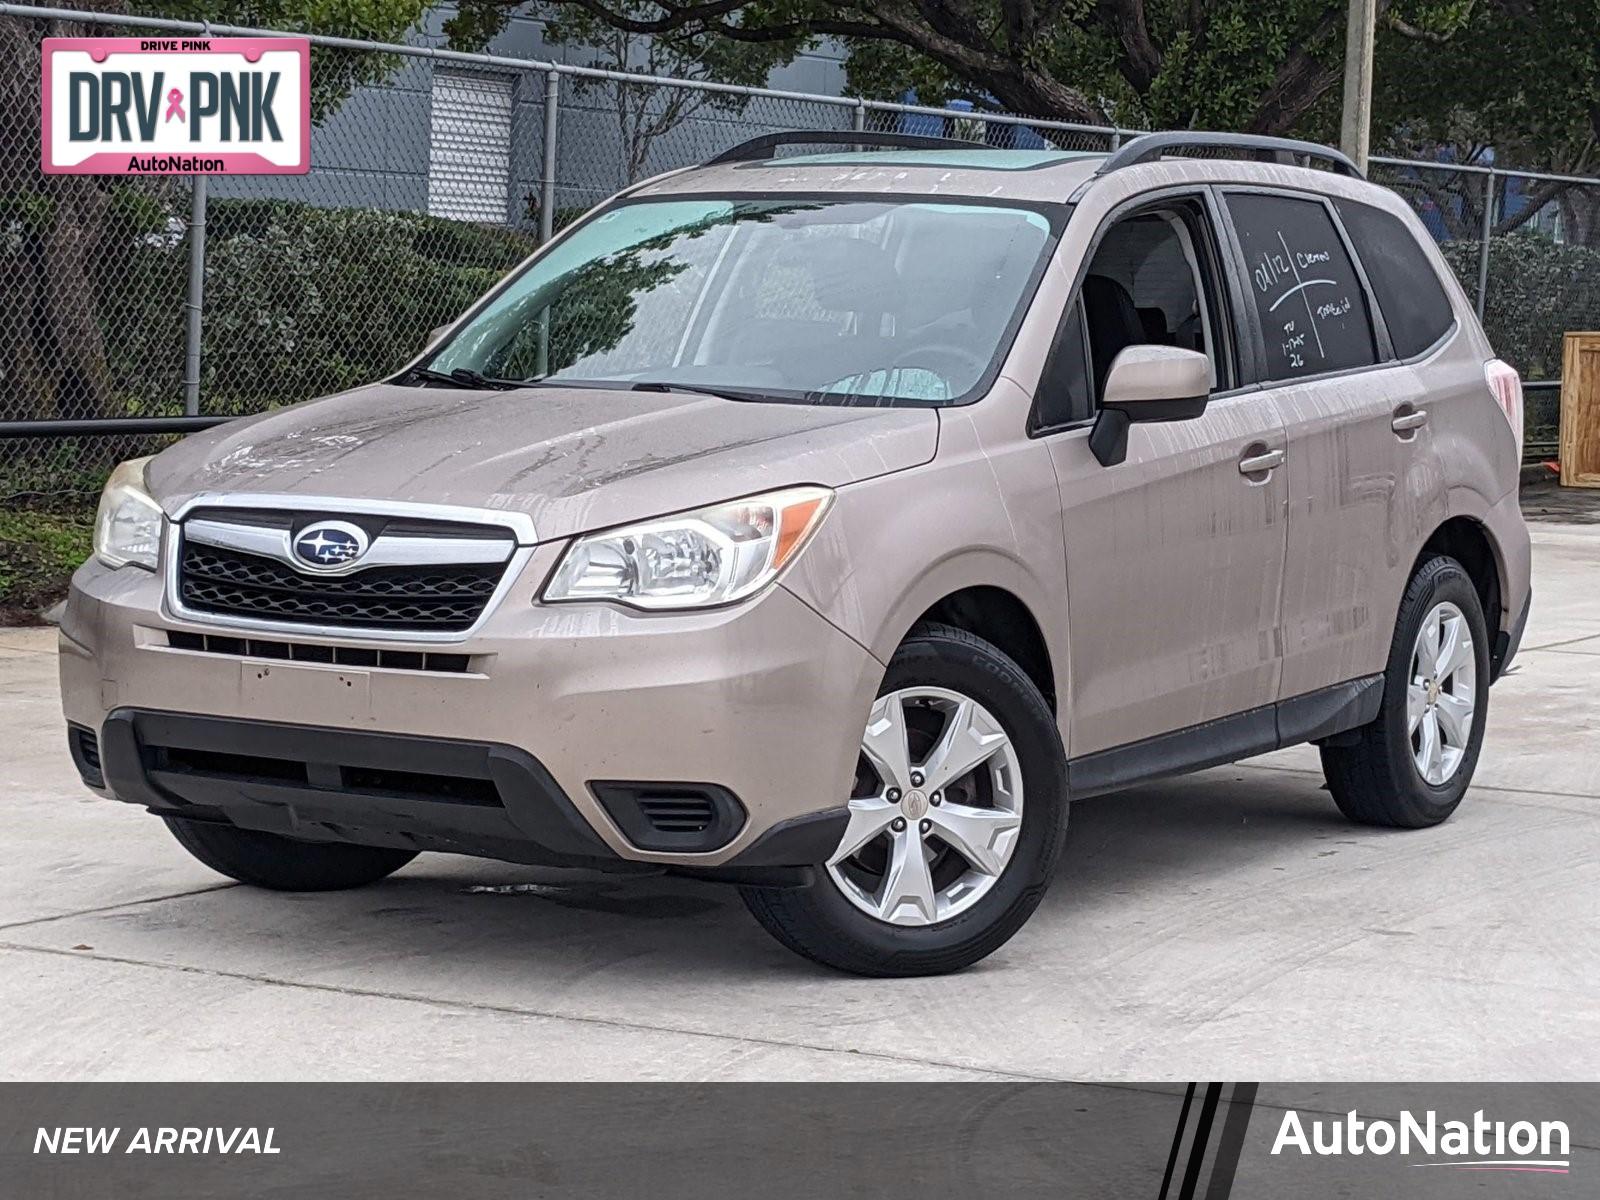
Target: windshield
(833,301)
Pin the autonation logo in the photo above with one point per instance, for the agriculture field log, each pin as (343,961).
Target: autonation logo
(1476,1145)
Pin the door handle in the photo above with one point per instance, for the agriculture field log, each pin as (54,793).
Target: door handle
(1256,464)
(1406,421)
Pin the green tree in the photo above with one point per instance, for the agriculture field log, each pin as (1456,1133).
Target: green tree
(1522,79)
(1265,66)
(645,112)
(334,73)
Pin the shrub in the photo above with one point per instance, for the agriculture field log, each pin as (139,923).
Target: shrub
(303,301)
(39,550)
(1538,290)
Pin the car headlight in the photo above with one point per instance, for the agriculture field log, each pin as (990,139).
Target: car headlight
(127,525)
(696,559)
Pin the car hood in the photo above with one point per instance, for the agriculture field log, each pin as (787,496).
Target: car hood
(573,459)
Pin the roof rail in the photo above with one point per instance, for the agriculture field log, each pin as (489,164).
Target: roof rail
(1148,147)
(758,148)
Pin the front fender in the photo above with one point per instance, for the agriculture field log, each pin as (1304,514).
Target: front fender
(896,545)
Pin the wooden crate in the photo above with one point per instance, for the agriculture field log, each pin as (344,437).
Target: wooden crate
(1580,410)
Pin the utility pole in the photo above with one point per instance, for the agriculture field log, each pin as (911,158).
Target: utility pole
(1355,131)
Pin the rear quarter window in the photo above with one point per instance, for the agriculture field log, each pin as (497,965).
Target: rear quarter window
(1308,296)
(1413,301)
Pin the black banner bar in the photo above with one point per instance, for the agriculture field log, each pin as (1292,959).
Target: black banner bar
(779,1141)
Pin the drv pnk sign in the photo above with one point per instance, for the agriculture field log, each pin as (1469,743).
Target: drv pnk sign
(177,106)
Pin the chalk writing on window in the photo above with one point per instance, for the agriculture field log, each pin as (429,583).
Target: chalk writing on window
(1314,316)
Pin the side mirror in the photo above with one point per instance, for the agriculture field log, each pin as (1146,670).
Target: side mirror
(437,332)
(1148,383)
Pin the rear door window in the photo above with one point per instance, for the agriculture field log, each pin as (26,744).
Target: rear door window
(1308,296)
(1415,307)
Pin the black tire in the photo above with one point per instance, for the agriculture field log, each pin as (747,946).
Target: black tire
(821,924)
(1374,778)
(266,860)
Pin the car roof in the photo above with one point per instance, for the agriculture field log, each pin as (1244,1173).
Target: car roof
(981,172)
(1028,176)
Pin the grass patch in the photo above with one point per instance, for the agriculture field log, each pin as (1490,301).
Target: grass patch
(39,550)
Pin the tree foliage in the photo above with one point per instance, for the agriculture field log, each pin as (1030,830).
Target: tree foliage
(1522,73)
(1538,289)
(1522,77)
(301,301)
(645,112)
(334,73)
(1516,83)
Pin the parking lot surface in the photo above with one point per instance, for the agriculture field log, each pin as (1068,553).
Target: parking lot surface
(1226,924)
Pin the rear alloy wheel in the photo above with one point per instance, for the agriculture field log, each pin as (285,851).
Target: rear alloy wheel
(956,819)
(1410,766)
(1442,694)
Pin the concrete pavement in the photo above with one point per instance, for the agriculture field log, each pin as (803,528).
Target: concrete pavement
(1229,924)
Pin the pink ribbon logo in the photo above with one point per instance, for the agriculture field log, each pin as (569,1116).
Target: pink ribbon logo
(175,105)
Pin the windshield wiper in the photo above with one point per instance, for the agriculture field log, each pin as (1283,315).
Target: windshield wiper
(467,377)
(654,385)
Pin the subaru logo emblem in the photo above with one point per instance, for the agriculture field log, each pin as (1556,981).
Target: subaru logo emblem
(330,544)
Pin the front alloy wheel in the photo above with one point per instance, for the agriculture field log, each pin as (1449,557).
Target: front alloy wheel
(940,861)
(942,808)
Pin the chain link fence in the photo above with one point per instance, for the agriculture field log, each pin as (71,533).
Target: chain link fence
(433,173)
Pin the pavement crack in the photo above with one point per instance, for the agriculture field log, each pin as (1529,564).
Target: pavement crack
(510,1010)
(1476,787)
(1588,637)
(105,908)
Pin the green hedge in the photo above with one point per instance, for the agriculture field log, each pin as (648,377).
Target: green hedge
(304,301)
(1538,290)
(300,301)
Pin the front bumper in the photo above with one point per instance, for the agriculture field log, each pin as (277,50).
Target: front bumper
(764,701)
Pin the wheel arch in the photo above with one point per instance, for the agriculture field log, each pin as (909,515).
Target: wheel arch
(1469,542)
(1003,619)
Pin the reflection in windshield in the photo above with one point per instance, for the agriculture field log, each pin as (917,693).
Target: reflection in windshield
(830,301)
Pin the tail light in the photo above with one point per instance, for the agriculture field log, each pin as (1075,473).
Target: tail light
(1506,385)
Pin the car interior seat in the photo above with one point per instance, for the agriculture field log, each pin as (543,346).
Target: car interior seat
(1114,324)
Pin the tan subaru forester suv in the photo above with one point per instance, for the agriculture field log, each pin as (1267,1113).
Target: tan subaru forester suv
(822,520)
